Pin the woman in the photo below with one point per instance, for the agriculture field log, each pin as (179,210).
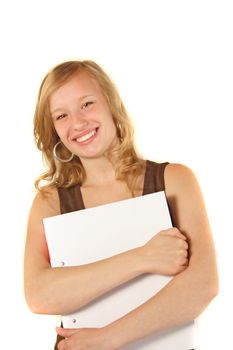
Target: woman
(82,128)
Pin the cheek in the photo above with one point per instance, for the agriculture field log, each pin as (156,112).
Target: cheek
(111,132)
(113,126)
(60,130)
(109,121)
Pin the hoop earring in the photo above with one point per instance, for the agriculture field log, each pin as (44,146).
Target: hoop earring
(57,157)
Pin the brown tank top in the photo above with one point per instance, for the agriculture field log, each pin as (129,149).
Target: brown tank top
(71,198)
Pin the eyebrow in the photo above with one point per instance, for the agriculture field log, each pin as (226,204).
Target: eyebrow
(80,99)
(85,96)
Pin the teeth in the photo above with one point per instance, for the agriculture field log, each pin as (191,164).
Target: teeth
(86,137)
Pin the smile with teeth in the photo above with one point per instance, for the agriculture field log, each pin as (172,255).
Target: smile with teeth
(86,136)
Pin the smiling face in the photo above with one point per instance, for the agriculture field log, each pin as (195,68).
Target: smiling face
(82,118)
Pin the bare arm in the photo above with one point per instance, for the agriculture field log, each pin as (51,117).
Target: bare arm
(187,295)
(63,290)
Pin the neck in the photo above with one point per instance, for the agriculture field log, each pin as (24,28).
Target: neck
(98,171)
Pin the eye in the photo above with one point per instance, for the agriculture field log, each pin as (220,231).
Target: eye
(61,116)
(86,104)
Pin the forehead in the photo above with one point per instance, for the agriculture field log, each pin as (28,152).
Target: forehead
(77,86)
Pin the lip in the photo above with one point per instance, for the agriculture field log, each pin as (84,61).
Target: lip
(86,132)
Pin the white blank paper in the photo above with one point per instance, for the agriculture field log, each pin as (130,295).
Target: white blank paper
(85,236)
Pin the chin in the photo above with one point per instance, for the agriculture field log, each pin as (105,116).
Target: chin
(91,156)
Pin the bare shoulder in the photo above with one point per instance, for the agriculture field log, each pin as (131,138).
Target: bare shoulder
(180,179)
(46,203)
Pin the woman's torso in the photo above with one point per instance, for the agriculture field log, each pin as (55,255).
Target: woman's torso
(78,198)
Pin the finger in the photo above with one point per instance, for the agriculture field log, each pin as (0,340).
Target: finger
(175,233)
(183,266)
(65,332)
(184,245)
(185,262)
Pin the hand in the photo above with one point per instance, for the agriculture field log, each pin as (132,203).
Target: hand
(83,339)
(166,253)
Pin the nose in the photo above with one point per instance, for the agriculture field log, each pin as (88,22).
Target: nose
(78,121)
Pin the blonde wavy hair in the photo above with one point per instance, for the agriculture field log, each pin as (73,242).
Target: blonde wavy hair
(59,174)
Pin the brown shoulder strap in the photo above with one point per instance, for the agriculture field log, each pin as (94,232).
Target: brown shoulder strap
(70,199)
(154,177)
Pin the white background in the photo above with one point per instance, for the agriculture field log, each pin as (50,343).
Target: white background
(172,62)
